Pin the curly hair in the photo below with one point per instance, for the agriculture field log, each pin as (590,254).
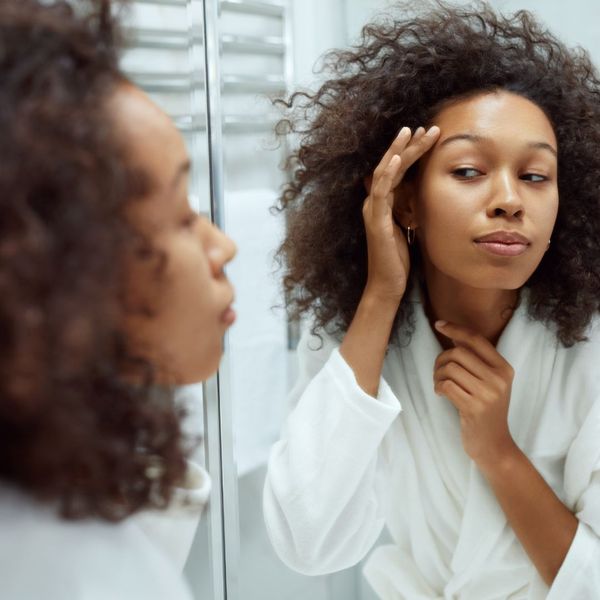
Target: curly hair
(401,73)
(73,428)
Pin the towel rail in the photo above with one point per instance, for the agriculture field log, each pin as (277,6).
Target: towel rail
(254,8)
(181,40)
(186,82)
(164,2)
(231,124)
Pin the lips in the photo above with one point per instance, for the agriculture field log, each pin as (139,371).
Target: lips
(504,243)
(504,237)
(228,316)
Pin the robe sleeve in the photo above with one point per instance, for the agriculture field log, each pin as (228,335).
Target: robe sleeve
(579,575)
(319,501)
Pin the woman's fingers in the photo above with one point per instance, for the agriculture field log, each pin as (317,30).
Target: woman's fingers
(478,344)
(419,145)
(403,152)
(464,357)
(382,198)
(397,146)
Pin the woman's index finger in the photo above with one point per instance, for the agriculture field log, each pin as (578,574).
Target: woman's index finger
(397,146)
(461,335)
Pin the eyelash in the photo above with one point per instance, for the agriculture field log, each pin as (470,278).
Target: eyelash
(460,174)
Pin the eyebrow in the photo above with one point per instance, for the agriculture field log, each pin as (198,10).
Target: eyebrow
(478,139)
(184,169)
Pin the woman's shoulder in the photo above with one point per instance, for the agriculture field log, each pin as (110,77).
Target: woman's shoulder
(576,372)
(89,559)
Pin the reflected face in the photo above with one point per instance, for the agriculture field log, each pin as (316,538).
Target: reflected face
(190,297)
(487,196)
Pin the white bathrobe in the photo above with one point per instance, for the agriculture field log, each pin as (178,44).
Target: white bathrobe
(347,464)
(44,557)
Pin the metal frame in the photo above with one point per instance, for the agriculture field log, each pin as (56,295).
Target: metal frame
(219,412)
(218,406)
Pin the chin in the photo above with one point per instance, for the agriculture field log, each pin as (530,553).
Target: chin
(211,362)
(504,277)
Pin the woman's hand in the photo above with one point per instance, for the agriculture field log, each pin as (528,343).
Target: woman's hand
(477,380)
(388,257)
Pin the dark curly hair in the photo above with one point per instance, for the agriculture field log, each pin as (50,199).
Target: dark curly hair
(73,427)
(402,73)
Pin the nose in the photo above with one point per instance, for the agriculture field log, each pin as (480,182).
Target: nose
(221,249)
(506,201)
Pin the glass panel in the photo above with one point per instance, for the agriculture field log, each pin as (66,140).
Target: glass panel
(165,57)
(261,362)
(256,62)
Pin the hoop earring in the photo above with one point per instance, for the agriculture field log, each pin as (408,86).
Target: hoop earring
(410,235)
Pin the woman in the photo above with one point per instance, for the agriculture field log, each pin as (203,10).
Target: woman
(112,291)
(450,388)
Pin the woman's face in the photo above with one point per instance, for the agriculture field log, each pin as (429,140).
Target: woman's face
(486,196)
(190,297)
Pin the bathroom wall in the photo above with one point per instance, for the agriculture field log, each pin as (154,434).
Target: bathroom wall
(575,22)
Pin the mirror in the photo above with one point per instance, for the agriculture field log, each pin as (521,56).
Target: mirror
(264,47)
(257,51)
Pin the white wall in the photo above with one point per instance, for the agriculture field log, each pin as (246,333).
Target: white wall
(577,22)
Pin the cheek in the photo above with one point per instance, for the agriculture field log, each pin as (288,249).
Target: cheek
(189,285)
(445,218)
(547,215)
(195,305)
(187,325)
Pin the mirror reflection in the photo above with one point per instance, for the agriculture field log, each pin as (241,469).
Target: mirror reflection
(401,199)
(429,209)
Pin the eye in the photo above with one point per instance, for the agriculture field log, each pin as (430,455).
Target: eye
(467,173)
(534,177)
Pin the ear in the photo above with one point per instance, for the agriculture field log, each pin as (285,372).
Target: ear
(405,204)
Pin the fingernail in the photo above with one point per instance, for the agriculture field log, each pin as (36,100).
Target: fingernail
(403,131)
(441,324)
(434,130)
(420,130)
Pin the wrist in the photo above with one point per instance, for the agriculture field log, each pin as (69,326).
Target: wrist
(502,463)
(380,299)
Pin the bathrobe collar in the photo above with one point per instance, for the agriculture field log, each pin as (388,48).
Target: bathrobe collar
(483,520)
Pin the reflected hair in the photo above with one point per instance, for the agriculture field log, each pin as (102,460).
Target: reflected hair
(73,428)
(407,65)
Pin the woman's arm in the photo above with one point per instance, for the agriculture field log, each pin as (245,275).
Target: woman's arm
(478,381)
(319,501)
(366,340)
(544,525)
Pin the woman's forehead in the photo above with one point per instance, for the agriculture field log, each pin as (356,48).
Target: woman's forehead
(495,112)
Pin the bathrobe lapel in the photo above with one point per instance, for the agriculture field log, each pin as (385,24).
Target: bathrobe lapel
(484,521)
(441,470)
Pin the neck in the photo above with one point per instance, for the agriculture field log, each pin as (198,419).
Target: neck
(486,311)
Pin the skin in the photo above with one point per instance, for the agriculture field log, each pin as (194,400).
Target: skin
(488,164)
(191,299)
(503,177)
